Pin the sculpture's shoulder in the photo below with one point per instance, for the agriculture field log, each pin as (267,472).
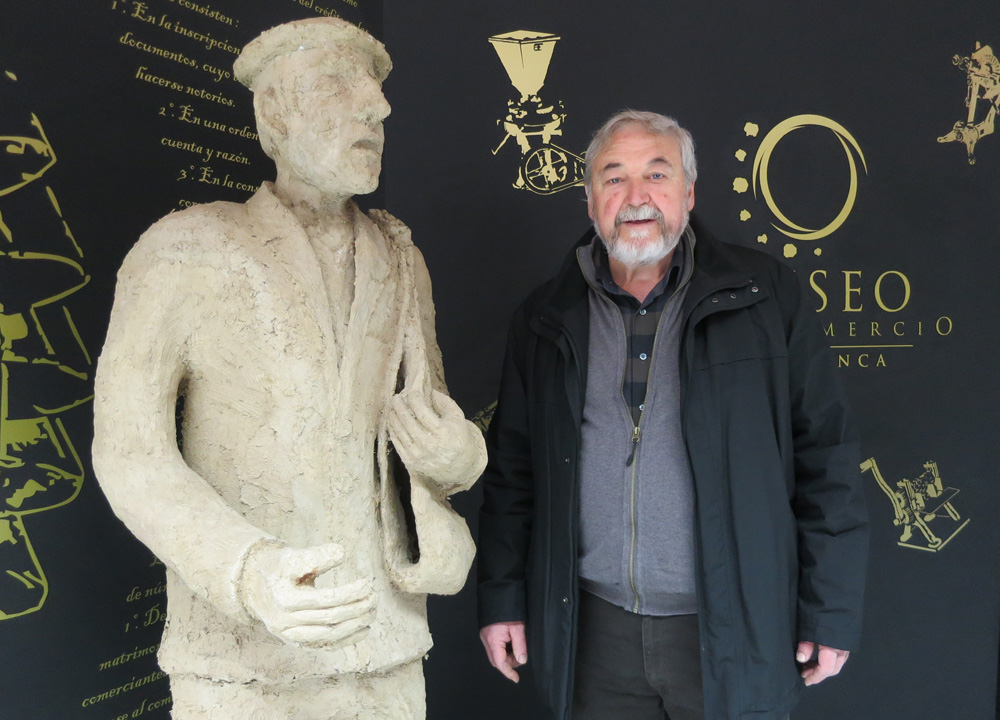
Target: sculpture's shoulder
(399,243)
(198,233)
(392,228)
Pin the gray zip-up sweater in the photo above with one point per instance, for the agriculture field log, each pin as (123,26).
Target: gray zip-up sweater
(636,493)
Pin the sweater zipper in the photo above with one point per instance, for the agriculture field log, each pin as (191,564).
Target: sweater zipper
(636,436)
(631,462)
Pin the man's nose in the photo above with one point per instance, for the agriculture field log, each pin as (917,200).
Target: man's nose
(637,194)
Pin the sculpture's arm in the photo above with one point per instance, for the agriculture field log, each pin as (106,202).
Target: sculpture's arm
(168,506)
(427,321)
(443,453)
(428,428)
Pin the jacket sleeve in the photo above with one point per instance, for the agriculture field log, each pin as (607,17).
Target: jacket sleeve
(508,496)
(167,505)
(829,499)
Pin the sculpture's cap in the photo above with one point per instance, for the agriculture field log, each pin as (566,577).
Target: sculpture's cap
(306,35)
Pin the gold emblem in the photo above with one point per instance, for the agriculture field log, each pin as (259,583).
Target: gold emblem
(923,504)
(41,352)
(763,159)
(982,70)
(761,186)
(545,167)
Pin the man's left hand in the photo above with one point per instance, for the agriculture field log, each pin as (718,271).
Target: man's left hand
(433,438)
(827,661)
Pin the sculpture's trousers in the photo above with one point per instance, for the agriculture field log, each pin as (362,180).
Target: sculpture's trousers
(396,694)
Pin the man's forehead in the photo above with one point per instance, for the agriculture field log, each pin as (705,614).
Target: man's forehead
(633,144)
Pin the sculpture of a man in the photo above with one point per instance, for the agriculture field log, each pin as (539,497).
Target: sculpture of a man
(302,512)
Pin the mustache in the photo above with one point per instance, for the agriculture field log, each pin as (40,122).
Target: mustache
(632,213)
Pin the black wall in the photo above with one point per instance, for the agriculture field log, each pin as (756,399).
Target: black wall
(912,266)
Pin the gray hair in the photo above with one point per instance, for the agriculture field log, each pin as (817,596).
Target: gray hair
(653,123)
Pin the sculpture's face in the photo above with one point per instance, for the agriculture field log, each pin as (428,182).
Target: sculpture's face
(325,110)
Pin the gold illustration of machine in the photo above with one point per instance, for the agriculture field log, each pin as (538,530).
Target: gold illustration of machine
(44,366)
(545,167)
(983,71)
(918,503)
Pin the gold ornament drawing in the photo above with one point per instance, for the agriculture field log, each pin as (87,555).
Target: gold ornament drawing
(532,122)
(44,365)
(759,181)
(922,504)
(982,70)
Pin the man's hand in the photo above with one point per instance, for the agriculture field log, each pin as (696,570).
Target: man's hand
(827,662)
(278,586)
(433,438)
(505,647)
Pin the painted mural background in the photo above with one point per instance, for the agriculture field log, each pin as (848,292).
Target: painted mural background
(856,141)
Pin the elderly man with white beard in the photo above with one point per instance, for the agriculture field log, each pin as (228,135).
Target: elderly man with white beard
(673,522)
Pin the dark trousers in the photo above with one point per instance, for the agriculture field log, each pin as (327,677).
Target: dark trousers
(636,667)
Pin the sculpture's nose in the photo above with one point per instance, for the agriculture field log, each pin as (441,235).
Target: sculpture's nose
(372,106)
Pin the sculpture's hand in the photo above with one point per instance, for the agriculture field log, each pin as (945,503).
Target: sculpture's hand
(277,585)
(433,438)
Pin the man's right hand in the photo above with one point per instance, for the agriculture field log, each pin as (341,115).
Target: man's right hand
(506,647)
(277,585)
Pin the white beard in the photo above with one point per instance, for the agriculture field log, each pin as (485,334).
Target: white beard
(640,250)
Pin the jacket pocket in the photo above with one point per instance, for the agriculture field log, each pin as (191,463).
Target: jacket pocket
(733,336)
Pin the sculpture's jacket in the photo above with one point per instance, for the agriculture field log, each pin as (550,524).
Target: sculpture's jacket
(780,521)
(283,435)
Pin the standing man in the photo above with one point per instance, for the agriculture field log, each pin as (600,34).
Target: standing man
(673,522)
(303,516)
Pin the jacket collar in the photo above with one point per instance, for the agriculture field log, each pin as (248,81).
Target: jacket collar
(563,303)
(716,267)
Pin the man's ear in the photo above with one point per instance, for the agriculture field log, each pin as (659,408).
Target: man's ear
(690,198)
(590,202)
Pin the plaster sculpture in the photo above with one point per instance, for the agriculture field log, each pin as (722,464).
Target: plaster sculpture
(305,517)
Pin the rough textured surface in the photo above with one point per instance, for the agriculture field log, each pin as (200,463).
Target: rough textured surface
(395,696)
(306,517)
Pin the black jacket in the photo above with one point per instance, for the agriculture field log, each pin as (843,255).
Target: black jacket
(781,523)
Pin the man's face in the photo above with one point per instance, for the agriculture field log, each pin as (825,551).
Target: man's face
(639,200)
(332,108)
